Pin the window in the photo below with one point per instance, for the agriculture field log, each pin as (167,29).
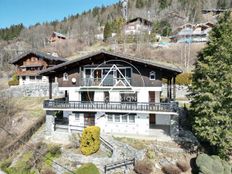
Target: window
(110,118)
(124,118)
(65,76)
(152,75)
(24,78)
(129,97)
(39,77)
(32,77)
(117,118)
(132,118)
(106,97)
(77,116)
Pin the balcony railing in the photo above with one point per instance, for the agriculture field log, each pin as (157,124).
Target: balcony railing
(105,82)
(111,106)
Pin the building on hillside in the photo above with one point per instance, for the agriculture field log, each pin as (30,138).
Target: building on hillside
(30,63)
(56,37)
(189,33)
(118,93)
(137,26)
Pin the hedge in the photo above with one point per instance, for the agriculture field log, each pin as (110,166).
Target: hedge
(90,140)
(182,79)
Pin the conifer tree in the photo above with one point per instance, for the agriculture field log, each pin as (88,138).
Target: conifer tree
(211,104)
(107,31)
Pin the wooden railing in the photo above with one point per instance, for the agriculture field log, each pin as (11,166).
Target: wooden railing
(119,106)
(119,164)
(107,144)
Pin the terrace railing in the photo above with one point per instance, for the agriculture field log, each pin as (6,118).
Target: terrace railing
(119,106)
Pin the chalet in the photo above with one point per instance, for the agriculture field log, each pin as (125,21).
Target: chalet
(30,63)
(189,33)
(137,25)
(56,37)
(118,93)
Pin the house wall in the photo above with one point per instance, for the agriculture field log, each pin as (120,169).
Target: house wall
(29,81)
(140,76)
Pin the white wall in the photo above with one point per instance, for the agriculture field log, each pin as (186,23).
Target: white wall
(98,96)
(28,81)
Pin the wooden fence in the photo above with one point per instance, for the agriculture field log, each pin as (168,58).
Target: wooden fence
(119,164)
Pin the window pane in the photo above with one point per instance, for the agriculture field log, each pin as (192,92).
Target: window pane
(110,118)
(77,117)
(128,73)
(124,118)
(117,118)
(131,118)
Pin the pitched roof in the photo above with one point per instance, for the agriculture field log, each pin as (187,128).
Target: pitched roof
(167,66)
(38,54)
(59,34)
(141,20)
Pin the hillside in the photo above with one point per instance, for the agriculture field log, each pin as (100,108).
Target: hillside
(80,29)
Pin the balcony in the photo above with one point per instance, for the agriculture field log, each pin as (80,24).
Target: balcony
(106,82)
(113,107)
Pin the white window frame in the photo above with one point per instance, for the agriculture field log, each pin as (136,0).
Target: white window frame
(65,76)
(152,73)
(115,118)
(124,121)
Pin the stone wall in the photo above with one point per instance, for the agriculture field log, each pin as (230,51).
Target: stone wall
(33,90)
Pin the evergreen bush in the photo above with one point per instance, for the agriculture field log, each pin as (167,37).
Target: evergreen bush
(90,140)
(14,81)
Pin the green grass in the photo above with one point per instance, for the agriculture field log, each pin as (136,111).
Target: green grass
(88,168)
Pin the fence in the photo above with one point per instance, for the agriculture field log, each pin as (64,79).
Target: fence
(115,165)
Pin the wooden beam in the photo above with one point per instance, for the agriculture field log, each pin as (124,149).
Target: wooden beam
(174,88)
(50,87)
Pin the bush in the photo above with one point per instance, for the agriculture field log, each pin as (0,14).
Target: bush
(5,164)
(212,164)
(171,169)
(54,150)
(14,81)
(75,140)
(183,166)
(143,167)
(47,170)
(150,154)
(88,168)
(184,79)
(90,140)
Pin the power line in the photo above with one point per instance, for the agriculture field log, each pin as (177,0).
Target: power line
(38,152)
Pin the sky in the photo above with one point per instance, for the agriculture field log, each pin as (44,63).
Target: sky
(30,12)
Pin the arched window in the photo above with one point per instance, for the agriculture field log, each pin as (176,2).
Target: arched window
(152,75)
(65,76)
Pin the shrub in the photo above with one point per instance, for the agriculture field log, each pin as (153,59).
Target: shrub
(14,81)
(47,170)
(212,164)
(54,150)
(5,164)
(184,79)
(150,154)
(143,167)
(171,169)
(88,168)
(75,140)
(183,166)
(90,140)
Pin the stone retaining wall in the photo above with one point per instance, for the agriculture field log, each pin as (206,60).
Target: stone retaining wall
(32,90)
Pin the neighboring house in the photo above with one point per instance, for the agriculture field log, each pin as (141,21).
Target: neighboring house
(30,63)
(137,25)
(189,33)
(56,37)
(118,93)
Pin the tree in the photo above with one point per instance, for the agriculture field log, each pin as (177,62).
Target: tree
(211,104)
(139,4)
(107,31)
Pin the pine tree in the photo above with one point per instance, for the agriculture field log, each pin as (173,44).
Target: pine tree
(212,90)
(107,31)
